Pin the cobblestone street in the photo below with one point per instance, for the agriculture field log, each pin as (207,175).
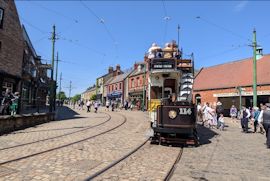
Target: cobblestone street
(227,155)
(223,155)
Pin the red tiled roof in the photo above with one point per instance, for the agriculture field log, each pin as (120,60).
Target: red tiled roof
(232,74)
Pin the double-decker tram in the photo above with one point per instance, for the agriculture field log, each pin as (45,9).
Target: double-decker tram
(170,80)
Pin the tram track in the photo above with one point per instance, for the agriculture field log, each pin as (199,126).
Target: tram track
(171,171)
(65,145)
(66,134)
(129,154)
(116,162)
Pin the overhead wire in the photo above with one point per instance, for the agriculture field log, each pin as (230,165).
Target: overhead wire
(223,28)
(33,26)
(102,21)
(224,52)
(55,12)
(75,42)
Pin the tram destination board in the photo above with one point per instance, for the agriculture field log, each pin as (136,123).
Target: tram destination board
(163,64)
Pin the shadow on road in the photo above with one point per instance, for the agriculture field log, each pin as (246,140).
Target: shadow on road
(205,134)
(64,113)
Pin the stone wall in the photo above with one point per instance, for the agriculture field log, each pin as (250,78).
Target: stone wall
(17,122)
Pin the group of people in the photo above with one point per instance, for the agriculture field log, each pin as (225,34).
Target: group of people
(211,115)
(259,117)
(9,103)
(169,51)
(89,104)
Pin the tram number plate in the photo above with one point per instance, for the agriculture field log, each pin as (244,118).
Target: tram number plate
(185,111)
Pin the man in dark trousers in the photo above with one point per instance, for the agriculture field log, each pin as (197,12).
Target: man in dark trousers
(266,123)
(244,119)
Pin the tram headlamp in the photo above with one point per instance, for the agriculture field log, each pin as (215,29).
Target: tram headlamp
(172,114)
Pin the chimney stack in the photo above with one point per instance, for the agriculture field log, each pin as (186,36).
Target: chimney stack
(110,70)
(135,66)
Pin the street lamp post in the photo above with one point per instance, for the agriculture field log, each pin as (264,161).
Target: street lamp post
(254,69)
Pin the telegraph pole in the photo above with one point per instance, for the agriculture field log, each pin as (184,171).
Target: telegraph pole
(55,88)
(254,69)
(52,89)
(60,86)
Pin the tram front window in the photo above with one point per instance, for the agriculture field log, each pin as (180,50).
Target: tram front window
(156,92)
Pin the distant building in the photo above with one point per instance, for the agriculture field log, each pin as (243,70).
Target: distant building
(137,83)
(116,88)
(87,95)
(100,82)
(11,47)
(220,82)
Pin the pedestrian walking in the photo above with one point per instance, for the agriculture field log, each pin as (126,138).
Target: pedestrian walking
(244,119)
(107,105)
(255,113)
(233,112)
(219,109)
(113,105)
(265,115)
(221,121)
(212,117)
(88,105)
(96,106)
(15,102)
(260,118)
(126,105)
(206,115)
(199,112)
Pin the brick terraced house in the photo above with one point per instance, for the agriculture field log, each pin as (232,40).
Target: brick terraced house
(222,82)
(11,47)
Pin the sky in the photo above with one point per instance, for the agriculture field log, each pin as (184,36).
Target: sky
(93,35)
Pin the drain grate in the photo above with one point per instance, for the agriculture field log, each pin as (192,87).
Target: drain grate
(6,171)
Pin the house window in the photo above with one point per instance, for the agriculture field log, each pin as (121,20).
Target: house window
(120,86)
(1,17)
(132,83)
(7,85)
(116,86)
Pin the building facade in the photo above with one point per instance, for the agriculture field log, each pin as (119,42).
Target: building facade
(137,84)
(35,83)
(100,82)
(11,47)
(89,93)
(227,82)
(116,88)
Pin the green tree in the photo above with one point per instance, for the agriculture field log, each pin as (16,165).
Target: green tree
(61,95)
(93,97)
(76,97)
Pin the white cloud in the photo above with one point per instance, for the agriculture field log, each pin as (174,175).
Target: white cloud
(240,6)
